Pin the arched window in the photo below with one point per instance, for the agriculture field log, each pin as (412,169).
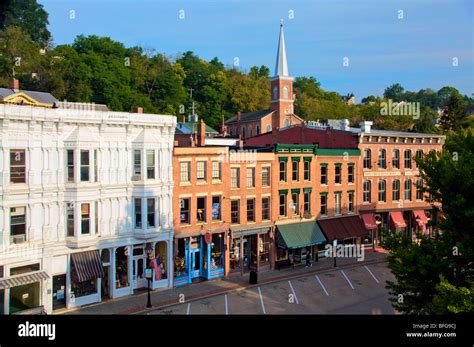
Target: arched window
(250,131)
(243,133)
(367,191)
(275,93)
(419,189)
(382,162)
(257,130)
(396,190)
(285,92)
(367,158)
(382,191)
(407,190)
(286,123)
(268,128)
(407,158)
(396,159)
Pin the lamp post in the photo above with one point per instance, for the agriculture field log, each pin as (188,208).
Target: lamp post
(148,274)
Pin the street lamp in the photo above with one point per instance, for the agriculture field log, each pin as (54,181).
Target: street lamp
(149,273)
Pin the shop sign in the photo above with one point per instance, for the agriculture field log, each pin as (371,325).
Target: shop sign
(208,238)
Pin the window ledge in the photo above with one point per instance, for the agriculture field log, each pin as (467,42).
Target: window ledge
(216,181)
(201,183)
(184,184)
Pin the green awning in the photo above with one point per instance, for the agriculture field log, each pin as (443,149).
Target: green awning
(295,190)
(285,159)
(295,158)
(307,190)
(298,235)
(283,191)
(308,158)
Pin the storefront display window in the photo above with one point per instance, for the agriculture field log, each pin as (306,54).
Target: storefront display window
(84,288)
(160,262)
(217,252)
(121,267)
(24,297)
(180,259)
(264,248)
(282,254)
(235,255)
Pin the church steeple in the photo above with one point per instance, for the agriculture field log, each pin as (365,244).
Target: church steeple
(281,66)
(282,88)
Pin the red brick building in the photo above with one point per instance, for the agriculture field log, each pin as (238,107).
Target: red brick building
(221,204)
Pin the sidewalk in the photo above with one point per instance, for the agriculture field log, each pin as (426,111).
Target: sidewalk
(135,304)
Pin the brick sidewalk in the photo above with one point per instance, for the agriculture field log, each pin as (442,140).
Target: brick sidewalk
(134,304)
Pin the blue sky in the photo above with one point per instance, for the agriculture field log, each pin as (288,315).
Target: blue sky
(416,51)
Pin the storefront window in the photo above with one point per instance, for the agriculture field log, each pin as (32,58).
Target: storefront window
(217,257)
(264,248)
(24,297)
(161,261)
(84,288)
(180,259)
(235,254)
(121,267)
(282,254)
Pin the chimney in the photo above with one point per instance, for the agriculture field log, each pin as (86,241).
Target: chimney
(365,126)
(238,116)
(201,133)
(139,109)
(15,85)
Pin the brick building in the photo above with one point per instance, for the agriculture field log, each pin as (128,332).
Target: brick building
(222,204)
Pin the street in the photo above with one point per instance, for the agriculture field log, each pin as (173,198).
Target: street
(356,290)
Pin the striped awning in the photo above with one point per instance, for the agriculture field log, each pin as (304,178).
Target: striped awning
(20,280)
(86,266)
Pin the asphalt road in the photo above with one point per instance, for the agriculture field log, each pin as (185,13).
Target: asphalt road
(357,290)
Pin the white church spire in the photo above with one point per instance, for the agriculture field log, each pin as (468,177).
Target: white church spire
(281,67)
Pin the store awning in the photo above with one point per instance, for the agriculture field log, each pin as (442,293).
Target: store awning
(369,221)
(397,219)
(298,235)
(342,228)
(20,280)
(420,217)
(86,266)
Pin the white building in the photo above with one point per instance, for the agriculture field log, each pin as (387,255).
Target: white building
(85,205)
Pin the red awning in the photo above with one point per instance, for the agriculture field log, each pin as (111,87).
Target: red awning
(369,221)
(397,219)
(420,217)
(341,228)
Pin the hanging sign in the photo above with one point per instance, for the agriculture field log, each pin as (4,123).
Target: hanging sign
(208,238)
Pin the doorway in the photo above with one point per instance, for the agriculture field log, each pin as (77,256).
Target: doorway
(138,267)
(59,292)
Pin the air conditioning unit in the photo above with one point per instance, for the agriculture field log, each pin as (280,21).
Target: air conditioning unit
(18,239)
(136,177)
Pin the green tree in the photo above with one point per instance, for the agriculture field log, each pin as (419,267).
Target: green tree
(395,92)
(453,113)
(30,16)
(449,183)
(452,299)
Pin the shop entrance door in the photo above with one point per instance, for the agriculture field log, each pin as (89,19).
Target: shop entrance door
(59,292)
(196,263)
(250,252)
(139,280)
